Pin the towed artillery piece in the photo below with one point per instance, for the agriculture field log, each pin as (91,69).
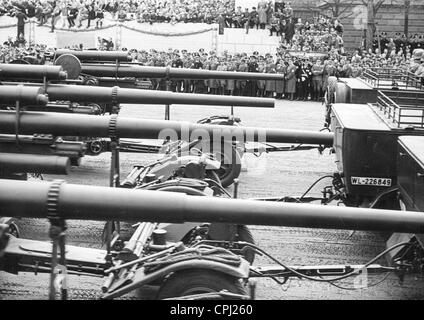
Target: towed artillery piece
(192,271)
(111,98)
(99,67)
(30,94)
(101,100)
(132,75)
(212,138)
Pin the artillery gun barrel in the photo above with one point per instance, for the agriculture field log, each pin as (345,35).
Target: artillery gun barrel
(60,124)
(29,199)
(123,71)
(17,162)
(23,94)
(136,96)
(93,55)
(31,72)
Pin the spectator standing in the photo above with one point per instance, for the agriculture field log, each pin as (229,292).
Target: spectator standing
(251,85)
(81,15)
(99,18)
(270,84)
(338,27)
(261,83)
(91,15)
(21,17)
(262,16)
(281,68)
(291,80)
(254,19)
(73,12)
(55,17)
(238,18)
(289,30)
(64,14)
(317,80)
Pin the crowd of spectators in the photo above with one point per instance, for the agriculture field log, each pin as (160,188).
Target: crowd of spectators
(305,77)
(398,43)
(278,17)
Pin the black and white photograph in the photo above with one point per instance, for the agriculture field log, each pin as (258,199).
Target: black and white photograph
(211,151)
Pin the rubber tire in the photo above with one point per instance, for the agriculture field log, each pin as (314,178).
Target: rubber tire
(190,282)
(234,171)
(245,235)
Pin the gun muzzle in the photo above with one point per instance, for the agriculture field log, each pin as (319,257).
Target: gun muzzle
(23,94)
(18,162)
(31,72)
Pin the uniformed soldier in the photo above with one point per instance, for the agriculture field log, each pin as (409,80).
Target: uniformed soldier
(262,67)
(197,84)
(242,84)
(231,67)
(177,84)
(251,85)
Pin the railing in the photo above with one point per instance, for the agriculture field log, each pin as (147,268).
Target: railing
(384,77)
(400,115)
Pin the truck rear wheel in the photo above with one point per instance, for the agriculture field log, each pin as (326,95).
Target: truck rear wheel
(194,282)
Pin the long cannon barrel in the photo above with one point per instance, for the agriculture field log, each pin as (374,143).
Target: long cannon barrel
(61,124)
(123,71)
(16,162)
(31,72)
(87,55)
(29,199)
(24,94)
(135,96)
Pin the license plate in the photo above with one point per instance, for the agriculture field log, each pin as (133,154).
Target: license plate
(377,182)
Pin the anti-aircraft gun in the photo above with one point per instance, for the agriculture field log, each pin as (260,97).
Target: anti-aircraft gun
(26,124)
(58,124)
(21,154)
(96,68)
(100,100)
(195,271)
(91,99)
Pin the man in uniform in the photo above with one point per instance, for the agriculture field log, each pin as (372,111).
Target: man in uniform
(241,84)
(177,63)
(251,85)
(197,84)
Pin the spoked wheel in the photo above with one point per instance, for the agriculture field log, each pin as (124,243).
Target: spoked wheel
(195,282)
(14,230)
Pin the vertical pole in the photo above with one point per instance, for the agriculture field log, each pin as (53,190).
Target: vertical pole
(62,261)
(52,293)
(114,183)
(406,24)
(167,107)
